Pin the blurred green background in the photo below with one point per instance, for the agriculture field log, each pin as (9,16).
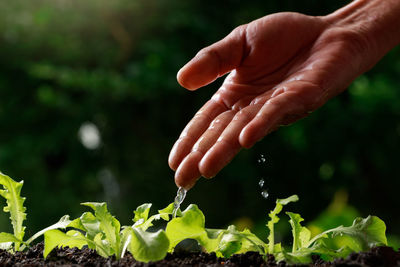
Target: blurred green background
(90,107)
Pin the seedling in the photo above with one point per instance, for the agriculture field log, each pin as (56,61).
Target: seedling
(101,231)
(15,206)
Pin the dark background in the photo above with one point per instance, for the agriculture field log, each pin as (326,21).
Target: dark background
(69,67)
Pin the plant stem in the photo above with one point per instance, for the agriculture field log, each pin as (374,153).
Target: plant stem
(271,240)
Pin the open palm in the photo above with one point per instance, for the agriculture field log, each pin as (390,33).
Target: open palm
(282,67)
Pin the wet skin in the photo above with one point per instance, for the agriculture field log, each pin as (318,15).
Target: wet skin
(281,67)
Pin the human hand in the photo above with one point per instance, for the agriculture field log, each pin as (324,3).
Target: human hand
(282,67)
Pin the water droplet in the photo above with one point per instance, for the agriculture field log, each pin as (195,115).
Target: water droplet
(261,182)
(262,159)
(180,196)
(264,194)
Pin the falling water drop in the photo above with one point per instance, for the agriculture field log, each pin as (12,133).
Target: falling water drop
(264,194)
(180,196)
(262,159)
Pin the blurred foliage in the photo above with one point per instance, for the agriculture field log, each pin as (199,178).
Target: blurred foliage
(394,241)
(113,64)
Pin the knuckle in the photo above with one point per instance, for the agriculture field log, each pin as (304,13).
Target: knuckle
(239,30)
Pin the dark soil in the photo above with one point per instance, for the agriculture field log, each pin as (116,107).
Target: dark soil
(379,256)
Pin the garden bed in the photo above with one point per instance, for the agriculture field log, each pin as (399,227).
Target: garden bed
(378,256)
(114,245)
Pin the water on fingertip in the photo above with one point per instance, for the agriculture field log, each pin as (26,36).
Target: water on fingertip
(180,196)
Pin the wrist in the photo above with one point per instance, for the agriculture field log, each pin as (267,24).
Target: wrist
(375,22)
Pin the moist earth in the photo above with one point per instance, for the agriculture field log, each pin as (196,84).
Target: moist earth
(378,256)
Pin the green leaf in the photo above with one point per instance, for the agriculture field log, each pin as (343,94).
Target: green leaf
(233,241)
(164,213)
(364,233)
(301,235)
(106,223)
(11,193)
(142,212)
(329,253)
(285,201)
(303,255)
(274,219)
(190,226)
(56,238)
(214,233)
(146,246)
(102,246)
(91,225)
(126,236)
(77,224)
(61,224)
(9,239)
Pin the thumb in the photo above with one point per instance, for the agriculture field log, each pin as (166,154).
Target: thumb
(214,61)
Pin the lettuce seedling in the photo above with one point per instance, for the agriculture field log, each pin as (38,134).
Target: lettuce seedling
(15,206)
(102,231)
(99,230)
(191,225)
(272,247)
(362,235)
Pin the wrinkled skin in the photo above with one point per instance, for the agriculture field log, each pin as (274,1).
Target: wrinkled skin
(281,67)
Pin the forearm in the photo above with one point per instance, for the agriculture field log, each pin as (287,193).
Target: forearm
(377,20)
